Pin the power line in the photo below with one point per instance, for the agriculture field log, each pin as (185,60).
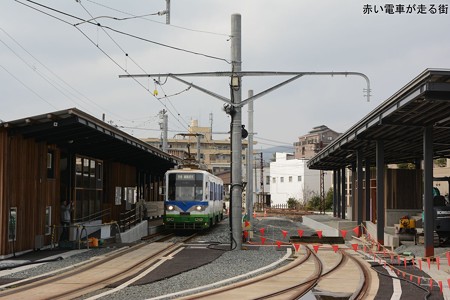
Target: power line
(27,87)
(126,54)
(163,23)
(120,32)
(98,47)
(55,75)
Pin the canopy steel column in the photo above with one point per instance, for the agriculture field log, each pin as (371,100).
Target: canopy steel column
(368,202)
(335,196)
(353,194)
(380,191)
(344,200)
(339,193)
(428,189)
(359,174)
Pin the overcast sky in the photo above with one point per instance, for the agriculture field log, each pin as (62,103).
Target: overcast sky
(48,64)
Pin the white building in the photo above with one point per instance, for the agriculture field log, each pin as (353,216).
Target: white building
(291,178)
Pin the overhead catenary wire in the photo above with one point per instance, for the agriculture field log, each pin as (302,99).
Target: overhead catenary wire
(57,76)
(118,31)
(45,78)
(98,47)
(163,23)
(27,87)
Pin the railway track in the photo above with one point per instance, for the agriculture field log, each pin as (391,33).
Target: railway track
(327,272)
(124,265)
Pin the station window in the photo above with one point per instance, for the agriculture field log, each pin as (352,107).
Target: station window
(88,186)
(50,164)
(12,224)
(281,179)
(290,178)
(299,178)
(48,220)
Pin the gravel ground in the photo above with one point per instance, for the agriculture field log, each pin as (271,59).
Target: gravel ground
(229,264)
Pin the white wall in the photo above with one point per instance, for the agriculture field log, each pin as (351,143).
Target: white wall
(286,167)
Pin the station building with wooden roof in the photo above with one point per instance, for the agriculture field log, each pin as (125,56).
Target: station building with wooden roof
(69,155)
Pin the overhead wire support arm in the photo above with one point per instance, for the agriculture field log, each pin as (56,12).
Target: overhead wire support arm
(203,90)
(296,75)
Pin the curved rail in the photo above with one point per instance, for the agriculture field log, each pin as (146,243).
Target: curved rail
(133,261)
(288,270)
(365,282)
(301,269)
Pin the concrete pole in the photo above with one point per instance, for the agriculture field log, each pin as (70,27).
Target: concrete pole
(249,200)
(236,134)
(168,15)
(164,125)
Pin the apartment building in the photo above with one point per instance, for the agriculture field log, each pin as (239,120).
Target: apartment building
(215,154)
(311,143)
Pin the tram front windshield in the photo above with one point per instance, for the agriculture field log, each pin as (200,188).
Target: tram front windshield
(185,187)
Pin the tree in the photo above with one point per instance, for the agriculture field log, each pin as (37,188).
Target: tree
(314,201)
(292,203)
(329,199)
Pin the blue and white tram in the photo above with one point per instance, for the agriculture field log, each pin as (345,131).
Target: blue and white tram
(193,199)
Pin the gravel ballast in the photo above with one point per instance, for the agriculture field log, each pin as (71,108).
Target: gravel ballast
(229,264)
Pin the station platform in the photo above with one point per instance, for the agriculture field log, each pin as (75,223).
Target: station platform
(438,269)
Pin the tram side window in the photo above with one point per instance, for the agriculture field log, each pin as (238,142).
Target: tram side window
(211,191)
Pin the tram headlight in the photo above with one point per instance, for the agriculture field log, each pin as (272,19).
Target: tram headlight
(170,207)
(199,208)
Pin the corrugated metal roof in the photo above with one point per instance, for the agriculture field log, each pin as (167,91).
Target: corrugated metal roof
(85,135)
(399,122)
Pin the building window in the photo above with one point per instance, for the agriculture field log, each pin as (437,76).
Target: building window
(274,180)
(88,186)
(290,178)
(50,164)
(12,224)
(267,179)
(281,179)
(299,178)
(48,220)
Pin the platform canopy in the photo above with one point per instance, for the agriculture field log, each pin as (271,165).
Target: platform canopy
(84,134)
(399,122)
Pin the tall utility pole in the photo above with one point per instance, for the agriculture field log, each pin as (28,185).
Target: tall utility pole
(322,192)
(249,194)
(236,132)
(167,11)
(261,181)
(163,124)
(235,105)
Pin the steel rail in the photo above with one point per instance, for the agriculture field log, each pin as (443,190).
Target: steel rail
(133,270)
(365,283)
